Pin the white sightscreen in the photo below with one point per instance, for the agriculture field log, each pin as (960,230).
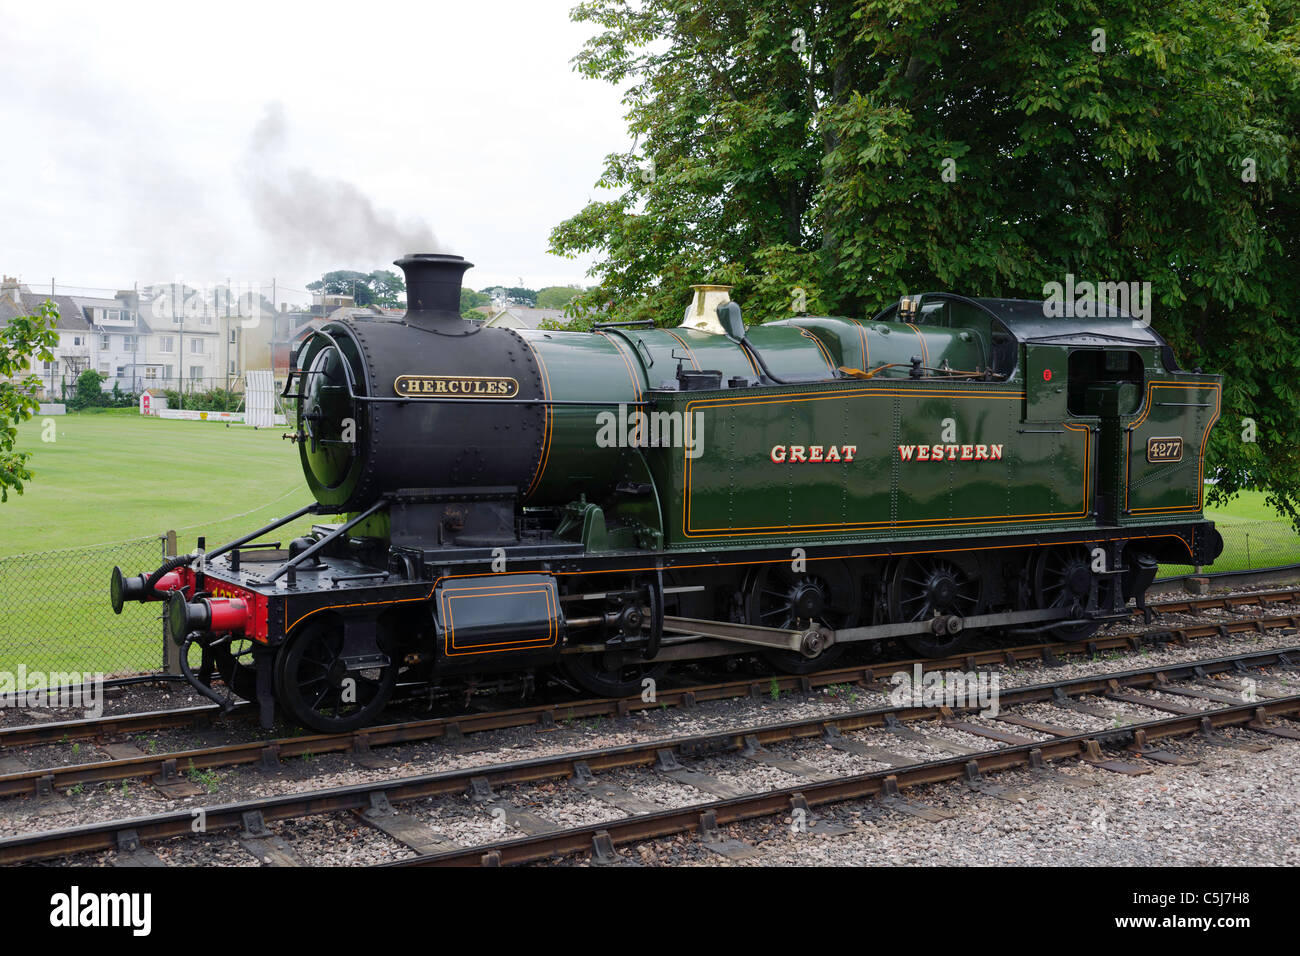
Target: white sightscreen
(259,398)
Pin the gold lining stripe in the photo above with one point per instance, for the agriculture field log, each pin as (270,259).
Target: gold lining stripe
(689,351)
(1200,455)
(546,394)
(919,523)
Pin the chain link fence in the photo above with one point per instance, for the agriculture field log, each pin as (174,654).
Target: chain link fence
(55,615)
(1249,546)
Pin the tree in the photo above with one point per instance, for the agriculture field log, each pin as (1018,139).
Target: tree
(470,300)
(381,287)
(89,392)
(835,155)
(343,282)
(388,287)
(24,339)
(556,296)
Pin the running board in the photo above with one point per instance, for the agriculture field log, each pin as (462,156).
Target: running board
(814,640)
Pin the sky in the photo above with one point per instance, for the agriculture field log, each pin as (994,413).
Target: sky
(150,142)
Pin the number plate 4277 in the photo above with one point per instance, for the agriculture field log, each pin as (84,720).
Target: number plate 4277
(1164,449)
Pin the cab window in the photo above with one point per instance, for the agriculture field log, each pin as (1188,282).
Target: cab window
(1105,381)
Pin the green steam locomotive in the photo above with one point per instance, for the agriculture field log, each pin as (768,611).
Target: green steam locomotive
(595,506)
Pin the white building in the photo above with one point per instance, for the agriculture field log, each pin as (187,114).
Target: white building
(74,352)
(119,339)
(165,337)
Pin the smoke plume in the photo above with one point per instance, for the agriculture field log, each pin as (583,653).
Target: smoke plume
(329,219)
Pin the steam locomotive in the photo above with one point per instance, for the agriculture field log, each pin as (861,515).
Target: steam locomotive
(595,506)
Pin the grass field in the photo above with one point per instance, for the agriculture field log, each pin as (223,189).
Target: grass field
(1254,535)
(112,482)
(105,490)
(118,475)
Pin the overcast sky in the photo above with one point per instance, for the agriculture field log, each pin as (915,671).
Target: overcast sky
(149,141)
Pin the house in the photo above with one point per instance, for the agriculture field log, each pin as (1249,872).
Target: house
(73,354)
(247,333)
(118,337)
(289,335)
(171,336)
(184,347)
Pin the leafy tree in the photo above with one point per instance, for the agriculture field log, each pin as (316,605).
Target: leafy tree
(88,391)
(121,399)
(835,155)
(381,287)
(387,287)
(204,400)
(556,296)
(343,282)
(24,339)
(470,300)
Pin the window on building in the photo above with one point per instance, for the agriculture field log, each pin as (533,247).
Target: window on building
(76,340)
(166,344)
(121,371)
(232,366)
(130,342)
(233,337)
(196,372)
(167,371)
(197,346)
(105,342)
(150,372)
(103,368)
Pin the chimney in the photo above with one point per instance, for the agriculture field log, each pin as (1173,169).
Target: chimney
(433,285)
(11,289)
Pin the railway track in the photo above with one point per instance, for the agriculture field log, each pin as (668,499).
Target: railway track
(166,769)
(600,840)
(374,801)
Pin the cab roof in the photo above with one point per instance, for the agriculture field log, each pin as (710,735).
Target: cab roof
(1027,320)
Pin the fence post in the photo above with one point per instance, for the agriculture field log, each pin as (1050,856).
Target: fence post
(171,653)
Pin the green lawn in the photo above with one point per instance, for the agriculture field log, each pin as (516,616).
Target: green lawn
(118,475)
(104,491)
(1254,535)
(1247,506)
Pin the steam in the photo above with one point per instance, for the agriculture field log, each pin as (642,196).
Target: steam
(322,218)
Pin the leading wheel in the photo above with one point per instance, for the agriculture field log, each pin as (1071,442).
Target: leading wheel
(234,662)
(778,596)
(925,587)
(316,688)
(231,656)
(1063,578)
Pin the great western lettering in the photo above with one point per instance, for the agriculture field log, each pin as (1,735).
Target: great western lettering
(950,452)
